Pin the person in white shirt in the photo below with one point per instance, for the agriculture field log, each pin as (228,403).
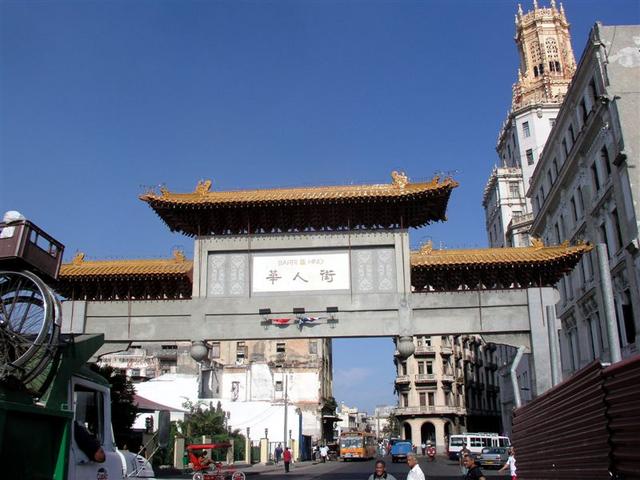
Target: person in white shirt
(416,472)
(511,464)
(324,451)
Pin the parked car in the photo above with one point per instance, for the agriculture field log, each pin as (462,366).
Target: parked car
(493,457)
(399,451)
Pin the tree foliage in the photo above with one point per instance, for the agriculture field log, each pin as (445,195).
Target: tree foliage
(392,428)
(123,408)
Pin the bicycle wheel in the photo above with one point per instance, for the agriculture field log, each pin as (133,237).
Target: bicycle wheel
(238,476)
(26,318)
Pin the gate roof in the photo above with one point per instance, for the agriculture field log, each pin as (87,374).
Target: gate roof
(399,204)
(493,268)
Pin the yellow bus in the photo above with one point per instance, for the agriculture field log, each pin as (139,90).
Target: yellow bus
(361,445)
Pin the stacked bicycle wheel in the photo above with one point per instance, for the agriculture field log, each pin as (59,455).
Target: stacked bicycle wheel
(30,317)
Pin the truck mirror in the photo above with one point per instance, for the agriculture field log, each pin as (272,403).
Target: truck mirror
(164,427)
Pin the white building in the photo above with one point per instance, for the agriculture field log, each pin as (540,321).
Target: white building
(546,67)
(586,187)
(256,381)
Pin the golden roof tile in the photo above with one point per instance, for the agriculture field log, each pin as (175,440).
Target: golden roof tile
(398,188)
(81,268)
(536,254)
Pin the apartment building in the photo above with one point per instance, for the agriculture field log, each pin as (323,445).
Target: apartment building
(585,188)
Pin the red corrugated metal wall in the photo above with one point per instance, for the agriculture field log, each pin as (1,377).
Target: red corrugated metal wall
(622,398)
(583,428)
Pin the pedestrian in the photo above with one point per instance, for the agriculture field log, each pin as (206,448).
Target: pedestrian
(381,472)
(278,453)
(464,451)
(511,464)
(473,470)
(324,451)
(415,472)
(424,448)
(431,451)
(315,452)
(286,456)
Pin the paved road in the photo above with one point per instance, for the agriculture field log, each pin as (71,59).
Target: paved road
(442,469)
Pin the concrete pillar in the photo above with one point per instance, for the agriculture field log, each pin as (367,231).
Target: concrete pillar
(231,453)
(415,432)
(247,450)
(295,449)
(178,452)
(264,450)
(439,424)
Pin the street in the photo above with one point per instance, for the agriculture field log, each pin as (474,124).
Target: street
(442,469)
(439,470)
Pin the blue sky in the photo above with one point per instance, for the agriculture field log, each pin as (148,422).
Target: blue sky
(100,99)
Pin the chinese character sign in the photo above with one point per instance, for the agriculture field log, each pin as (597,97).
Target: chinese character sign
(301,272)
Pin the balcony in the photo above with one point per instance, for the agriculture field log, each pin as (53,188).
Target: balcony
(425,378)
(447,377)
(446,350)
(418,410)
(403,380)
(424,350)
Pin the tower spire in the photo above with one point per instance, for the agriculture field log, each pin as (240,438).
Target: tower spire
(546,57)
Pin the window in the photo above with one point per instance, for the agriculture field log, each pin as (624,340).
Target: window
(574,352)
(514,190)
(241,351)
(278,385)
(525,129)
(405,399)
(572,134)
(594,335)
(574,210)
(215,350)
(604,160)
(594,176)
(403,368)
(552,122)
(423,399)
(580,201)
(427,341)
(593,94)
(557,230)
(313,347)
(584,111)
(549,179)
(618,232)
(89,410)
(529,154)
(432,398)
(280,347)
(565,148)
(555,167)
(627,318)
(420,368)
(430,368)
(603,236)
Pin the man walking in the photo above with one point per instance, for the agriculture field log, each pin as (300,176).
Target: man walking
(286,456)
(278,453)
(324,451)
(424,448)
(511,464)
(473,470)
(416,472)
(381,472)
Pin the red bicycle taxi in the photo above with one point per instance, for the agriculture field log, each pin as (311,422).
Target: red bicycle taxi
(214,471)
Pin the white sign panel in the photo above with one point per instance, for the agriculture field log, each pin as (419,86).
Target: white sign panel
(301,272)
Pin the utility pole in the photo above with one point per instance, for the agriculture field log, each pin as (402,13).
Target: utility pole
(286,404)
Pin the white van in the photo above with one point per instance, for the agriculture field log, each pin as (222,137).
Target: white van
(475,442)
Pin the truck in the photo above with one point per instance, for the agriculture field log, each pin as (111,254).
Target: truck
(55,413)
(399,450)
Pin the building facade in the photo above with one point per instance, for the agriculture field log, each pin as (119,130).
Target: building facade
(448,386)
(546,67)
(585,188)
